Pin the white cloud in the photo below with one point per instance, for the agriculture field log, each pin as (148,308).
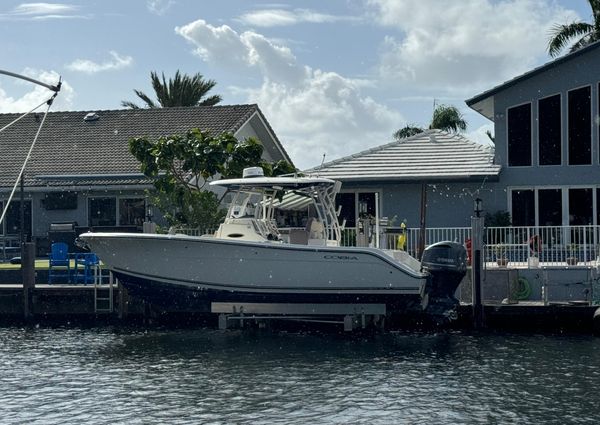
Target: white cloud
(37,94)
(479,135)
(159,7)
(89,67)
(312,111)
(42,11)
(282,17)
(472,45)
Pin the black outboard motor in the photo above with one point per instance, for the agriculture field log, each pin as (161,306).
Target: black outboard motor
(446,262)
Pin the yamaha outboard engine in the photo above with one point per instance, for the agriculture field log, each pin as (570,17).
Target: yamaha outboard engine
(446,262)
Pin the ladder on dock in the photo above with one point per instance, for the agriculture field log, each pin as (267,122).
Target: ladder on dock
(103,294)
(351,316)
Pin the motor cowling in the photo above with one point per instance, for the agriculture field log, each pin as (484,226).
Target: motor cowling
(446,263)
(445,257)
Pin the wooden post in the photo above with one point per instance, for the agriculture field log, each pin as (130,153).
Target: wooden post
(421,246)
(477,245)
(28,277)
(123,300)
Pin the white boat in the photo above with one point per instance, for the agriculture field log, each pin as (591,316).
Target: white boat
(250,259)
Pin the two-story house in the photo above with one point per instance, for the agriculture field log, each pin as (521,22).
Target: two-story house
(547,141)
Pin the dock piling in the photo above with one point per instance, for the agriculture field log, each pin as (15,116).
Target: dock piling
(28,277)
(477,244)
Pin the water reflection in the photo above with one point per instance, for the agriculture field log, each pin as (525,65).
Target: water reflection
(206,376)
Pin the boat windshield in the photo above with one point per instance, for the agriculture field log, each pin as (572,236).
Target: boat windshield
(290,207)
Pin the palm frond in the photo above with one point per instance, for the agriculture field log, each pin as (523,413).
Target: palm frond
(211,100)
(129,104)
(582,42)
(149,102)
(561,35)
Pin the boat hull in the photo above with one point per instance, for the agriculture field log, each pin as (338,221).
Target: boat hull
(188,273)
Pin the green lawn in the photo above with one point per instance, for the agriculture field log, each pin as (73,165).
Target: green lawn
(39,265)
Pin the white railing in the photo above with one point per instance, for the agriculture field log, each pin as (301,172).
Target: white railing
(519,246)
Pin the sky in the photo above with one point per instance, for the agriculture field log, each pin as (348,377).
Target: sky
(332,77)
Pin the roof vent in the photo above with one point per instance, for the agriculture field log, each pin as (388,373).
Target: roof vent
(253,172)
(91,116)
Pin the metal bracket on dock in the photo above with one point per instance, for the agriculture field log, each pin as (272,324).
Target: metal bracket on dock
(351,316)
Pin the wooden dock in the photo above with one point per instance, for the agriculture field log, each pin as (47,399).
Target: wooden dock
(62,303)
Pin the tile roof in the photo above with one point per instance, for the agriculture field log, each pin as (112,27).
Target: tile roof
(70,145)
(433,155)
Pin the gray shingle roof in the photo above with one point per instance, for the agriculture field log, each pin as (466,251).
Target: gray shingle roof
(433,155)
(70,145)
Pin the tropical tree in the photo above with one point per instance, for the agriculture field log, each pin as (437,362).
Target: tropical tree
(584,33)
(182,164)
(407,131)
(448,118)
(182,90)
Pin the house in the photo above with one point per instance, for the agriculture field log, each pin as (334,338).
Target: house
(547,142)
(544,168)
(81,170)
(445,169)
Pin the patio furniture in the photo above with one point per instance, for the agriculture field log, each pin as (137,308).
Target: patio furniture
(59,263)
(87,267)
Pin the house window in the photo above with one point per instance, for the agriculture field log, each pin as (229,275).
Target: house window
(519,135)
(581,207)
(523,207)
(580,128)
(102,212)
(550,207)
(12,221)
(132,211)
(549,122)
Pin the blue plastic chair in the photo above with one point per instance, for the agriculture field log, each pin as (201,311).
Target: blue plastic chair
(59,263)
(89,262)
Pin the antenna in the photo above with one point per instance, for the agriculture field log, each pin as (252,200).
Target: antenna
(55,88)
(323,160)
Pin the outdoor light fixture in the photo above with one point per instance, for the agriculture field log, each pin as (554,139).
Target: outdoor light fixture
(478,207)
(150,212)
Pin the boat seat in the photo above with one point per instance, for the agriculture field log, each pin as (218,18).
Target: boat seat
(315,228)
(298,237)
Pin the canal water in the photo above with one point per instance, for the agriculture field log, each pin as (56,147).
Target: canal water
(198,376)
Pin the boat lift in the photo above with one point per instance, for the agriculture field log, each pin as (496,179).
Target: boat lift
(352,316)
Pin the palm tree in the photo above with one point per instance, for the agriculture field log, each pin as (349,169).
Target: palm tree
(407,131)
(448,118)
(182,90)
(585,33)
